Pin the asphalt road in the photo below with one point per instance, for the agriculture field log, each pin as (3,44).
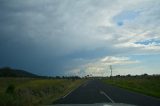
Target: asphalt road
(95,91)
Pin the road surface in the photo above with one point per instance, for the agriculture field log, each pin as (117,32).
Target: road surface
(95,91)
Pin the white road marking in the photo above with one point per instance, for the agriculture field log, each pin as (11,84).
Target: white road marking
(71,91)
(85,84)
(67,94)
(102,92)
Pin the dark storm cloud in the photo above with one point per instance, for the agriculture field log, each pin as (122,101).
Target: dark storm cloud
(36,35)
(22,38)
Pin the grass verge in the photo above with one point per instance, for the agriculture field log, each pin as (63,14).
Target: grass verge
(33,92)
(147,86)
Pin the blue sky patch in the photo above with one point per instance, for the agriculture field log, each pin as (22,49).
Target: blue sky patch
(147,42)
(125,16)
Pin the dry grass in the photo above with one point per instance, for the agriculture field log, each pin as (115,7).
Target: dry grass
(31,92)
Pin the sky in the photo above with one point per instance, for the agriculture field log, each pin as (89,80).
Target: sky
(80,37)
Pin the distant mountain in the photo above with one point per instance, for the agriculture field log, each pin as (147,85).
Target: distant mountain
(9,72)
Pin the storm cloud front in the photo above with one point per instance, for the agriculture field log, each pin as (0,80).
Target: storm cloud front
(80,37)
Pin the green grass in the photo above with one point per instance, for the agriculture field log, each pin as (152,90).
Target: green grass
(32,92)
(147,86)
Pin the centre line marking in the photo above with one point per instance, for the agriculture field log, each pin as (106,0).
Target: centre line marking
(102,92)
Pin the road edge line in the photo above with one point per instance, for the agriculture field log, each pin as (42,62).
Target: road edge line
(102,92)
(73,90)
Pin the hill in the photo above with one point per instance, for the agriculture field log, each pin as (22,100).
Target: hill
(9,72)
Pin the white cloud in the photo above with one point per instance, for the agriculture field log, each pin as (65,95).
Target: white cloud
(99,67)
(111,60)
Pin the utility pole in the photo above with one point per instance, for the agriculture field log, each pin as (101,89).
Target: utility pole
(111,70)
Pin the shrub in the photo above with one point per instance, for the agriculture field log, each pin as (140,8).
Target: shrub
(10,89)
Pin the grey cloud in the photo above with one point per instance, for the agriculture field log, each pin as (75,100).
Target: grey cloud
(54,33)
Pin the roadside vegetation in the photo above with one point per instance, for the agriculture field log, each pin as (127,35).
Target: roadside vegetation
(34,91)
(146,84)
